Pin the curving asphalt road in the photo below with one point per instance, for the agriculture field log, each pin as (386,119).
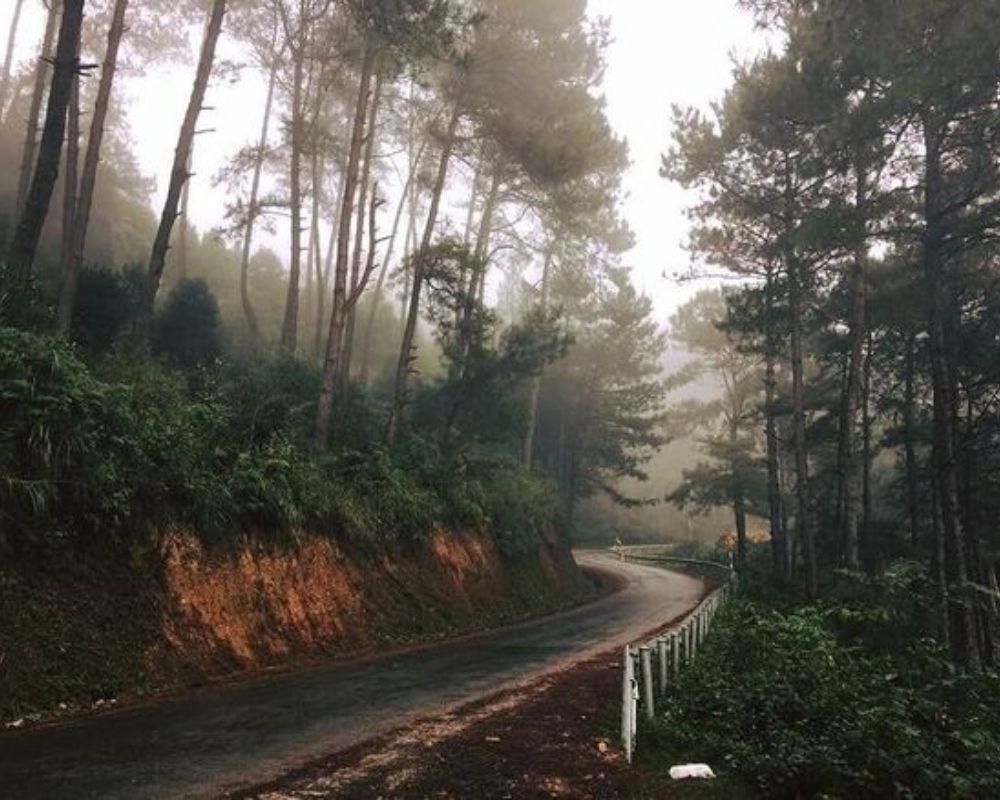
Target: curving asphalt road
(211,741)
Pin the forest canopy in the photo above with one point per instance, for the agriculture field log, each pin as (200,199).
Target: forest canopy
(451,317)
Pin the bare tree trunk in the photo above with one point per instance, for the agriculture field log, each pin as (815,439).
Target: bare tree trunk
(324,282)
(799,444)
(9,57)
(866,545)
(974,522)
(528,449)
(359,231)
(406,347)
(410,248)
(384,271)
(740,518)
(290,323)
(72,170)
(29,228)
(847,450)
(313,247)
(179,173)
(786,479)
(338,314)
(992,586)
(485,232)
(470,213)
(35,108)
(88,179)
(779,538)
(938,568)
(963,633)
(804,510)
(249,316)
(476,276)
(183,228)
(470,216)
(909,437)
(315,265)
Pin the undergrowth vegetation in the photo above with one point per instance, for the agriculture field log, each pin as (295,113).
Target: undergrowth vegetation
(846,697)
(126,443)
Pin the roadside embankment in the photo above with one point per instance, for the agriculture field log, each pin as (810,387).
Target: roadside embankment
(79,629)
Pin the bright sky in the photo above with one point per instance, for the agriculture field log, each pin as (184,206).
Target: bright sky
(664,52)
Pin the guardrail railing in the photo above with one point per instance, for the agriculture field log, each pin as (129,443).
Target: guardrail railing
(673,649)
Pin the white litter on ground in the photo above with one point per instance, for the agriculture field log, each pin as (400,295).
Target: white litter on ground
(684,771)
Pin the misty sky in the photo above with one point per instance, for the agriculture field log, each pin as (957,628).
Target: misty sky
(665,51)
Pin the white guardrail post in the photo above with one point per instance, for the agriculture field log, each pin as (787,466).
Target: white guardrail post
(675,649)
(646,670)
(630,694)
(662,662)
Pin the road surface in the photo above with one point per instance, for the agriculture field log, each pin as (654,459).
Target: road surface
(211,741)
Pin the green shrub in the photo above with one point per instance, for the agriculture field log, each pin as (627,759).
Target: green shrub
(62,456)
(106,304)
(130,444)
(786,702)
(188,330)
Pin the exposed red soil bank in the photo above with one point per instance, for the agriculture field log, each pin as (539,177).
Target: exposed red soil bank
(75,629)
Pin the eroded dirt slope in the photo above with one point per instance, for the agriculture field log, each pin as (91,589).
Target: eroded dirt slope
(80,629)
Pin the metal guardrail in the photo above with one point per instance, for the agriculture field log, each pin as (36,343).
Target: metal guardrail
(674,649)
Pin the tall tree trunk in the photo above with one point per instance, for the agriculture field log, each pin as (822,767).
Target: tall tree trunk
(35,107)
(249,315)
(338,314)
(740,518)
(183,227)
(179,172)
(290,323)
(984,609)
(528,449)
(324,281)
(470,213)
(476,276)
(409,249)
(313,246)
(470,216)
(88,178)
(779,539)
(865,530)
(386,261)
(938,284)
(72,171)
(849,471)
(29,228)
(938,568)
(406,355)
(9,57)
(786,480)
(359,232)
(909,440)
(485,232)
(314,265)
(794,271)
(802,492)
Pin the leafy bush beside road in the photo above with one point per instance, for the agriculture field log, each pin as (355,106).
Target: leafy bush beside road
(128,444)
(832,700)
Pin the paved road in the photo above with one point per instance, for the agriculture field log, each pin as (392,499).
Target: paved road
(207,742)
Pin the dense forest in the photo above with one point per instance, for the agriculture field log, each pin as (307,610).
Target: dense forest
(849,182)
(418,317)
(451,337)
(847,191)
